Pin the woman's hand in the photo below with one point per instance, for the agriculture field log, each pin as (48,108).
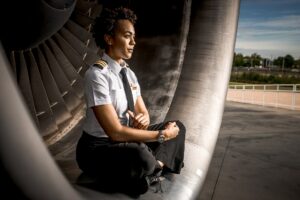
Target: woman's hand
(171,130)
(140,121)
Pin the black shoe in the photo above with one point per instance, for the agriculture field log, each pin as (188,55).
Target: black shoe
(137,187)
(143,185)
(155,180)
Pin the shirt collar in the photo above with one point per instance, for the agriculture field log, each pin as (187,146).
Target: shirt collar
(114,65)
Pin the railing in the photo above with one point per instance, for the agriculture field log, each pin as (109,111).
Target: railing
(275,95)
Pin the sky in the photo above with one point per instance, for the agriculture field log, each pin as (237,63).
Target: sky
(270,28)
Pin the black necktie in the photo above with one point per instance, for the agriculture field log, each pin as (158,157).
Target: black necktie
(127,90)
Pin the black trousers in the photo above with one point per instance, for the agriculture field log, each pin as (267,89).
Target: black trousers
(116,161)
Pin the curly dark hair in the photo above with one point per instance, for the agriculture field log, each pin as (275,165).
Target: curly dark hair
(106,23)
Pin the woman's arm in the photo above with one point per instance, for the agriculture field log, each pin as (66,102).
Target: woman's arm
(107,117)
(141,119)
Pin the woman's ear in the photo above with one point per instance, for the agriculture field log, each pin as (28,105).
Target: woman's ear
(108,39)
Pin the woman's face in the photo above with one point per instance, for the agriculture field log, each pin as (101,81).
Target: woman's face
(121,44)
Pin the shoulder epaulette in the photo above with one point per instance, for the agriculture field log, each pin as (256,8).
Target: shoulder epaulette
(101,64)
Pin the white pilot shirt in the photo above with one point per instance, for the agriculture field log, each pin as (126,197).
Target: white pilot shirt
(105,86)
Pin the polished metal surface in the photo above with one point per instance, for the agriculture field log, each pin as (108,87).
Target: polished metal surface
(22,151)
(183,68)
(201,91)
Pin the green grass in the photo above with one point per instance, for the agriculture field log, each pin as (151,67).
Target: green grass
(238,83)
(257,78)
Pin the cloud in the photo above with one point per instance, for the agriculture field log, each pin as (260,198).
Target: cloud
(283,22)
(279,35)
(290,22)
(259,32)
(253,44)
(268,48)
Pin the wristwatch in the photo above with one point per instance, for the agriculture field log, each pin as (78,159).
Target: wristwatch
(161,136)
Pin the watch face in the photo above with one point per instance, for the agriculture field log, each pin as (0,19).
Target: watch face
(161,138)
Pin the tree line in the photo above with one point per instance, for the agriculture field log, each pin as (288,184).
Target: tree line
(256,60)
(259,78)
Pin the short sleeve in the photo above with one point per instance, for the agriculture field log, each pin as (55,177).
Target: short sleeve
(96,88)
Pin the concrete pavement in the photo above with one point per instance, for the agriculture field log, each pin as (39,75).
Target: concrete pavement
(257,155)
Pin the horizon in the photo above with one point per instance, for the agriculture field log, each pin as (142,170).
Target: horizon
(270,28)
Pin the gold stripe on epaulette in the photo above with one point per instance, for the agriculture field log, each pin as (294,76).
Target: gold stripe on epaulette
(101,63)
